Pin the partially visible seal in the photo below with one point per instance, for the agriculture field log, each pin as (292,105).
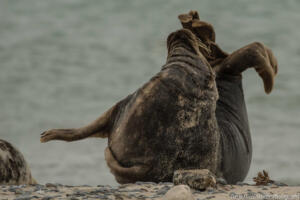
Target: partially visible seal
(13,167)
(190,115)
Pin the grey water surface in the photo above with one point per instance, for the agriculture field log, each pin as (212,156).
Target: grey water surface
(64,62)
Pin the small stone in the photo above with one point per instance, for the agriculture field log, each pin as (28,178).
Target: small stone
(241,183)
(221,181)
(210,190)
(47,198)
(145,183)
(85,185)
(18,191)
(232,194)
(23,198)
(197,179)
(210,197)
(250,193)
(13,189)
(279,184)
(50,185)
(179,192)
(166,183)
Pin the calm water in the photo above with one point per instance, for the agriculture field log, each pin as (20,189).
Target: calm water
(64,62)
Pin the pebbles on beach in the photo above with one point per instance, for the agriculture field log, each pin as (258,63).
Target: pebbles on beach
(143,190)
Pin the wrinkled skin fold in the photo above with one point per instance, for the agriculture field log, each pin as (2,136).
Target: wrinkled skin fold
(190,115)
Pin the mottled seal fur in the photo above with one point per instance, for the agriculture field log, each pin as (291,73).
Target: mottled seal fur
(190,115)
(13,167)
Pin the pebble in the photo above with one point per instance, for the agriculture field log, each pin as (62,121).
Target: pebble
(250,193)
(210,197)
(221,191)
(279,184)
(179,192)
(232,194)
(50,185)
(210,190)
(221,181)
(23,198)
(145,183)
(47,198)
(242,183)
(18,191)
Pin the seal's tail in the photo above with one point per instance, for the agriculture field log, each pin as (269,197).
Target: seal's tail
(99,128)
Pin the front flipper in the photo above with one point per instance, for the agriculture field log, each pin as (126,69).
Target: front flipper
(123,174)
(254,55)
(199,179)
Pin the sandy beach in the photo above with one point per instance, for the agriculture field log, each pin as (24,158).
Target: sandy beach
(146,190)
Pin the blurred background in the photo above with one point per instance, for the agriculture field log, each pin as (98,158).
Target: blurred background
(64,62)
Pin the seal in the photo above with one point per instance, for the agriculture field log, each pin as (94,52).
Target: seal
(191,115)
(235,151)
(13,167)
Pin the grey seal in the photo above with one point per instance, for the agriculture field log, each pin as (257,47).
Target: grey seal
(190,115)
(13,168)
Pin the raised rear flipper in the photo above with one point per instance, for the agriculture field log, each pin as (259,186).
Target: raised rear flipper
(254,55)
(99,128)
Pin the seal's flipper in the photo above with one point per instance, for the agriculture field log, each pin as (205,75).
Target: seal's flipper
(125,174)
(201,29)
(99,128)
(206,34)
(254,55)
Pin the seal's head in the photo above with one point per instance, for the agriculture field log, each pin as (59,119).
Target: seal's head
(205,33)
(183,37)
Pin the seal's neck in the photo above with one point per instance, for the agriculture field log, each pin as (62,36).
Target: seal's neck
(185,53)
(178,45)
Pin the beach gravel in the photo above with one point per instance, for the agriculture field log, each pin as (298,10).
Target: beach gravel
(146,190)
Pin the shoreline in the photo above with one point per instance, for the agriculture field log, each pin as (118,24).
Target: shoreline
(146,190)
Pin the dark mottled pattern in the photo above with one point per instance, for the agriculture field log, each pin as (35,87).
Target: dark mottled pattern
(13,167)
(170,123)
